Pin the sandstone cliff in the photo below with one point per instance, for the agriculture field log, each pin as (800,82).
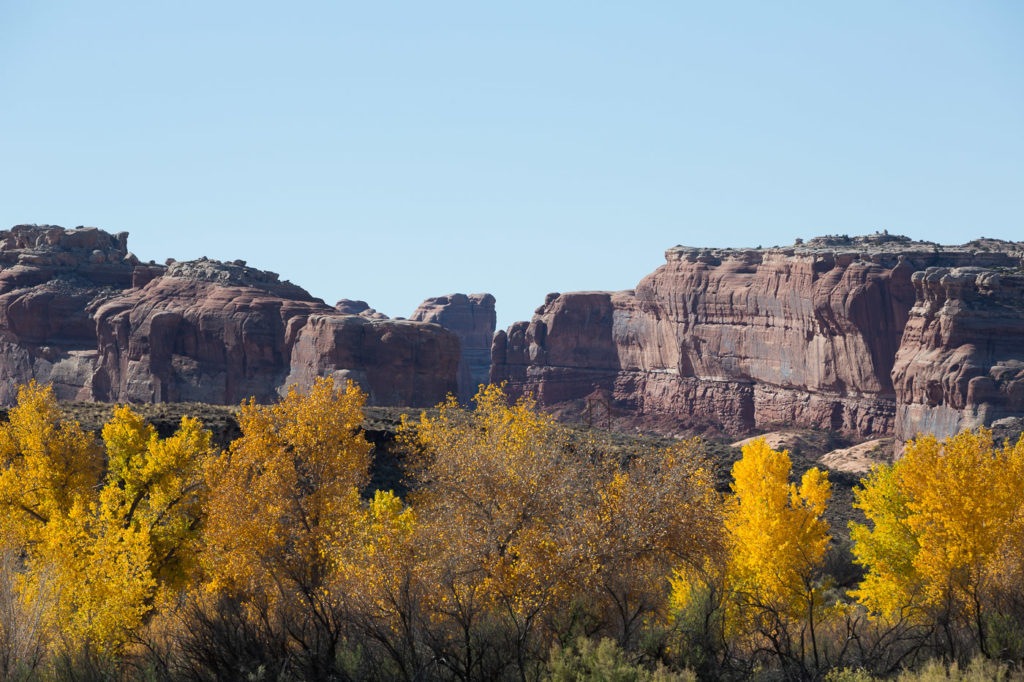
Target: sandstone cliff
(78,311)
(472,318)
(736,340)
(961,363)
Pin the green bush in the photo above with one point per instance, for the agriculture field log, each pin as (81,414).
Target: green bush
(604,661)
(979,670)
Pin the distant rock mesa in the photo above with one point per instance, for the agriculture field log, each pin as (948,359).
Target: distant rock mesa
(870,336)
(873,336)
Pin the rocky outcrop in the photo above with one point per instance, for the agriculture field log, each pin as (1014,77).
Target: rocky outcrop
(199,334)
(737,340)
(80,312)
(961,363)
(49,277)
(361,308)
(472,318)
(401,362)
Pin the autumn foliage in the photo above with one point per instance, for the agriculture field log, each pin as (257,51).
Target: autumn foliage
(103,543)
(525,550)
(946,541)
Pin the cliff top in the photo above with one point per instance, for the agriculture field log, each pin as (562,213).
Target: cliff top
(990,251)
(235,273)
(57,238)
(55,245)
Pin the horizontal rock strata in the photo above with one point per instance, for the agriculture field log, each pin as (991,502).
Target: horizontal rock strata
(815,335)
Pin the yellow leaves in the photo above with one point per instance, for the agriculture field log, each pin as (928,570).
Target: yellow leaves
(777,538)
(519,513)
(103,548)
(46,465)
(278,496)
(102,574)
(493,478)
(153,484)
(942,518)
(815,492)
(888,550)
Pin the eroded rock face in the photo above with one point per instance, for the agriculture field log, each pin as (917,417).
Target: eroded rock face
(737,340)
(181,338)
(78,311)
(398,362)
(472,319)
(961,364)
(49,277)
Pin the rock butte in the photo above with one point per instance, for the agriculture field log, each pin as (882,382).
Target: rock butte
(80,312)
(872,335)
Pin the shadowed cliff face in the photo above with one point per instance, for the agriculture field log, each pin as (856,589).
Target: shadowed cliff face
(472,318)
(738,340)
(78,311)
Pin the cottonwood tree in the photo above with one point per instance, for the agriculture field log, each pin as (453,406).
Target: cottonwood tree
(770,586)
(524,523)
(106,548)
(281,499)
(944,543)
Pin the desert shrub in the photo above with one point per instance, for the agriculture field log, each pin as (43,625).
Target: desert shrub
(603,661)
(979,669)
(849,675)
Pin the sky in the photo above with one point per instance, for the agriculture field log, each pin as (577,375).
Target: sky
(391,151)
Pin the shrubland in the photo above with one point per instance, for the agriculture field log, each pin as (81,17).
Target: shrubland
(516,548)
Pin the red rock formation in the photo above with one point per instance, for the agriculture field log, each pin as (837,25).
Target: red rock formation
(78,311)
(199,334)
(398,362)
(961,363)
(361,308)
(472,319)
(48,278)
(734,340)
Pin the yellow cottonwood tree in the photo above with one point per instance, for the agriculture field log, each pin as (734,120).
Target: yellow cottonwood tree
(887,548)
(522,520)
(280,494)
(155,484)
(946,520)
(655,514)
(47,465)
(498,491)
(375,563)
(103,548)
(776,541)
(777,536)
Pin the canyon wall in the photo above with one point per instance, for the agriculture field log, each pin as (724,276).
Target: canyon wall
(869,336)
(80,312)
(838,333)
(961,363)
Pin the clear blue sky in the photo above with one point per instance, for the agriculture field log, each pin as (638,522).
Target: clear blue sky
(392,151)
